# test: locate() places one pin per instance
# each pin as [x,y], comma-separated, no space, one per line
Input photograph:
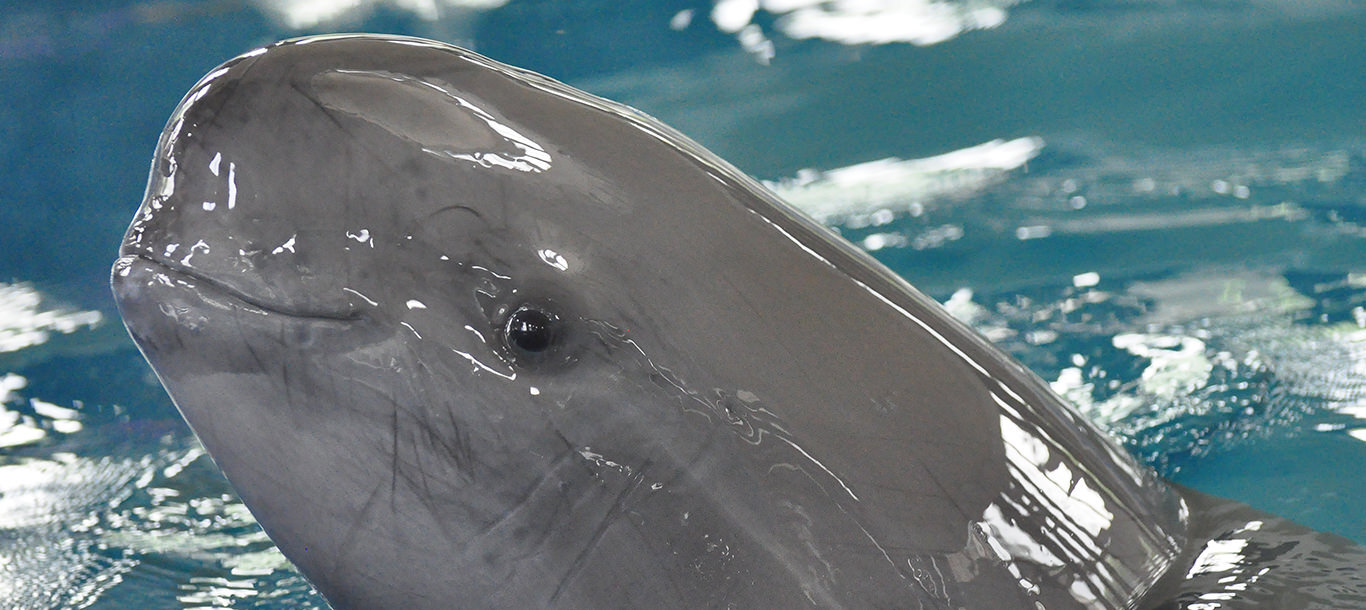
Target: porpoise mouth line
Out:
[235,294]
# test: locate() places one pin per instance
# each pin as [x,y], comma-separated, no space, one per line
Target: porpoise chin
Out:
[462,336]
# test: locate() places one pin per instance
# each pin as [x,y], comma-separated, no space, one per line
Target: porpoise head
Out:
[462,336]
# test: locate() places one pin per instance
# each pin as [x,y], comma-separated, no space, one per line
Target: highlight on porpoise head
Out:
[463,336]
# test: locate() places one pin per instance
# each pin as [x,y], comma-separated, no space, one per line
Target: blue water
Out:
[1159,207]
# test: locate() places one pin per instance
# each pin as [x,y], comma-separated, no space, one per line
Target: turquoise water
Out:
[1158,207]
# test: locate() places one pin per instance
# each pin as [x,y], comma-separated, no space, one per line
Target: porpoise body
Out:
[463,336]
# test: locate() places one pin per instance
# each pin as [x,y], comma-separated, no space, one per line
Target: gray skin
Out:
[731,407]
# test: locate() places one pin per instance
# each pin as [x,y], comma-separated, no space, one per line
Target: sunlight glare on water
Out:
[92,498]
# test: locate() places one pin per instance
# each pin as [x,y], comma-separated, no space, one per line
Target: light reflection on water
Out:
[153,518]
[919,22]
[1040,191]
[93,497]
[1190,369]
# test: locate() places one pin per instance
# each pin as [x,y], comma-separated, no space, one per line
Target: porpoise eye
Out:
[531,330]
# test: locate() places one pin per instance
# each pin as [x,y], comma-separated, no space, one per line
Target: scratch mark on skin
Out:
[821,466]
[615,512]
[455,446]
[356,525]
[287,383]
[422,475]
[547,484]
[393,477]
[285,380]
[242,335]
[260,364]
[326,112]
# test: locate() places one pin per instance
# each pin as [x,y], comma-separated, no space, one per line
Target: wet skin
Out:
[463,336]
